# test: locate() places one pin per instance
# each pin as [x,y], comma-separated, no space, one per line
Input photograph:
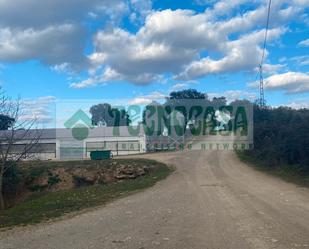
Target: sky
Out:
[141,50]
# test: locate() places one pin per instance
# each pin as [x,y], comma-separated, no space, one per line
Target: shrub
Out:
[81,181]
[53,179]
[37,188]
[281,137]
[11,180]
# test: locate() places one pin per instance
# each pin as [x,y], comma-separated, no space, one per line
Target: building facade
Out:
[61,144]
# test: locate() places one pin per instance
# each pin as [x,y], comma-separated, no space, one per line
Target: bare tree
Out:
[17,142]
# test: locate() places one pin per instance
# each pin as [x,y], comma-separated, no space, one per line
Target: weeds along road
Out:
[211,201]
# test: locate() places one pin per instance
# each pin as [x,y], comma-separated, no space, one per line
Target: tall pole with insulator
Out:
[262,96]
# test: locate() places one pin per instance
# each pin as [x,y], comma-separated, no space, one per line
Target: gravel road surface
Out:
[211,201]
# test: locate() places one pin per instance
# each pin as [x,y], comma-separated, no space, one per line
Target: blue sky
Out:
[141,50]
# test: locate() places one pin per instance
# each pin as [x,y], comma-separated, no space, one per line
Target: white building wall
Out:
[140,139]
[42,155]
[67,141]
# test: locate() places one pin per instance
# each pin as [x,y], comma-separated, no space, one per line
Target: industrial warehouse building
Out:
[60,144]
[78,142]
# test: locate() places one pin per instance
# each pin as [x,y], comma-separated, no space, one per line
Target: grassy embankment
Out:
[43,206]
[289,173]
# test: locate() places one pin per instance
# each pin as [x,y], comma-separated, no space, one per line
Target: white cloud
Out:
[290,82]
[140,101]
[110,74]
[64,67]
[283,59]
[51,45]
[140,9]
[298,104]
[40,110]
[271,68]
[305,62]
[147,99]
[224,7]
[180,43]
[240,55]
[182,85]
[232,95]
[179,86]
[304,43]
[39,14]
[301,3]
[53,31]
[175,41]
[302,60]
[85,83]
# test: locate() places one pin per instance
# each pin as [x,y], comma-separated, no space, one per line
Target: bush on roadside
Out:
[81,181]
[281,139]
[11,181]
[53,179]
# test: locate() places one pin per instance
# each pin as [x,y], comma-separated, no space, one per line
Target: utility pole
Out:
[262,96]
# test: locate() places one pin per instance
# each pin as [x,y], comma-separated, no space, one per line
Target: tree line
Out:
[281,134]
[281,138]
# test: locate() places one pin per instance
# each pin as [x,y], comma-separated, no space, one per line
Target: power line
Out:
[262,96]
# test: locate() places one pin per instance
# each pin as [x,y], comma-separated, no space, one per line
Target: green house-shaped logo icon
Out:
[79,123]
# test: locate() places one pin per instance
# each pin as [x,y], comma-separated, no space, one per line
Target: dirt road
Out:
[211,201]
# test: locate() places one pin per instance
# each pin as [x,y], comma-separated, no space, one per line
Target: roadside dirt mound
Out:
[48,179]
[67,178]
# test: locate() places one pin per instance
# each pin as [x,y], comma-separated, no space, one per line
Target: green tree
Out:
[187,94]
[281,137]
[218,102]
[183,100]
[106,115]
[5,122]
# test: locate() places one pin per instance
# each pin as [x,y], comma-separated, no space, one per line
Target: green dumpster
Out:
[100,155]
